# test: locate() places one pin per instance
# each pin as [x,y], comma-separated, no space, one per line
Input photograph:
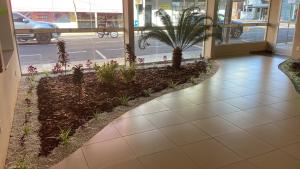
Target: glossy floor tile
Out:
[247,116]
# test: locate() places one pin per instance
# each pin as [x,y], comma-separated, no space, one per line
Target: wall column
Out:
[209,44]
[128,19]
[274,21]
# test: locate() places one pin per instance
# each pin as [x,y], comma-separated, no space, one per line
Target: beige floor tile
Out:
[169,159]
[291,108]
[130,164]
[176,102]
[215,126]
[108,153]
[74,161]
[246,120]
[244,144]
[133,125]
[275,160]
[148,142]
[220,107]
[165,118]
[274,135]
[293,149]
[194,113]
[243,103]
[268,113]
[107,133]
[292,124]
[151,107]
[240,165]
[264,99]
[209,154]
[184,133]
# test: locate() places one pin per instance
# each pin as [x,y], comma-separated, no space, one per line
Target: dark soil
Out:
[64,105]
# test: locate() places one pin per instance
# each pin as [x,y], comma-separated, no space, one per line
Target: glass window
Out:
[144,16]
[242,21]
[83,42]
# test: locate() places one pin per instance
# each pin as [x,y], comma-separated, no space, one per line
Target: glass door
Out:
[289,9]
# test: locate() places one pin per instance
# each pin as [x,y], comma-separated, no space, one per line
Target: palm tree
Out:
[190,30]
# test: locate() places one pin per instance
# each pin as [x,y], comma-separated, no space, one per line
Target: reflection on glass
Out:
[39,49]
[239,13]
[144,16]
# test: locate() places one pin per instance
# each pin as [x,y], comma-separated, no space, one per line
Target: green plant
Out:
[191,29]
[193,80]
[147,92]
[172,84]
[22,163]
[63,56]
[78,75]
[124,100]
[46,73]
[128,74]
[107,72]
[131,58]
[26,130]
[64,136]
[97,115]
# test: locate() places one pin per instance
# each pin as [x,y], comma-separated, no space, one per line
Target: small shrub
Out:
[22,163]
[131,58]
[63,56]
[78,74]
[89,64]
[26,130]
[141,61]
[57,68]
[128,74]
[193,80]
[46,74]
[32,70]
[97,115]
[64,136]
[295,66]
[107,72]
[148,92]
[172,84]
[124,100]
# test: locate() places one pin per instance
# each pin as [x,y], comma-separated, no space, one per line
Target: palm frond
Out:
[155,33]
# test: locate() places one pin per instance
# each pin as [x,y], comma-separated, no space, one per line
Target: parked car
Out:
[23,22]
[235,32]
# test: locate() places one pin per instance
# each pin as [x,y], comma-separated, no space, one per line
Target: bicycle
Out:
[111,34]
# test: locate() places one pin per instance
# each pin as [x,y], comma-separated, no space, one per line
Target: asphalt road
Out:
[84,47]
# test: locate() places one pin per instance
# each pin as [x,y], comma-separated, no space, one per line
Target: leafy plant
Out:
[191,29]
[97,115]
[64,136]
[295,66]
[26,130]
[107,72]
[46,73]
[124,100]
[57,68]
[141,60]
[147,92]
[89,64]
[32,70]
[131,58]
[22,163]
[63,56]
[172,84]
[128,74]
[78,74]
[193,80]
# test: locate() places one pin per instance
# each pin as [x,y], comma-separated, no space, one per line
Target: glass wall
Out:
[242,21]
[286,29]
[144,17]
[75,22]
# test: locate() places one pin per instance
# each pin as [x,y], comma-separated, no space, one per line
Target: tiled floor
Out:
[247,116]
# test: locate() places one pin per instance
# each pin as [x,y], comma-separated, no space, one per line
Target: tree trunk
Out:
[177,58]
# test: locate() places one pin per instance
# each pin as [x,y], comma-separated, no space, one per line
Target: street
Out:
[90,46]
